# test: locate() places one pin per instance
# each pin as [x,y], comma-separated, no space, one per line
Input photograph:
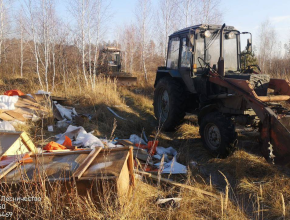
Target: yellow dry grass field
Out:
[247,186]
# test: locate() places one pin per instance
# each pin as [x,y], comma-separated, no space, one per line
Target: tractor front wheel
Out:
[169,103]
[217,133]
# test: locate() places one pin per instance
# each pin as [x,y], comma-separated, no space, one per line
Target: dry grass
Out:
[250,187]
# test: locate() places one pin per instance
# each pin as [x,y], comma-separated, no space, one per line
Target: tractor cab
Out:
[193,50]
[187,46]
[112,59]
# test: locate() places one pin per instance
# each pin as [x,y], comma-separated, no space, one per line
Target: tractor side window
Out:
[185,54]
[199,50]
[173,53]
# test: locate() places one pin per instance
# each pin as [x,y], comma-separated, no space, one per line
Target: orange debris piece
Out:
[67,144]
[54,146]
[14,92]
[6,160]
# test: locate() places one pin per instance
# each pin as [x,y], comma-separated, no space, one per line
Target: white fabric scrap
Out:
[6,126]
[8,102]
[43,92]
[64,112]
[80,135]
[135,139]
[169,151]
[173,167]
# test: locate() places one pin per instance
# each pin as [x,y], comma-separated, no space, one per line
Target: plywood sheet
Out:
[15,143]
[51,167]
[5,117]
[7,140]
[16,115]
[107,164]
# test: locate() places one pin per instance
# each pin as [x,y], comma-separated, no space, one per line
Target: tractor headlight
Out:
[207,34]
[230,35]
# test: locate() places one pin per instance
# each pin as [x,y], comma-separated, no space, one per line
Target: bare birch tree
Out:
[200,12]
[90,16]
[21,28]
[4,28]
[167,22]
[267,39]
[144,15]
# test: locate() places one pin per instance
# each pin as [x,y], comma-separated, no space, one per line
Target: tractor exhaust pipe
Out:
[221,62]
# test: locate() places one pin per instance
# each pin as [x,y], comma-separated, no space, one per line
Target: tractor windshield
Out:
[211,47]
[114,59]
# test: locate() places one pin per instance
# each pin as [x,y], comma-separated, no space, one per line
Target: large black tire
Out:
[218,134]
[170,112]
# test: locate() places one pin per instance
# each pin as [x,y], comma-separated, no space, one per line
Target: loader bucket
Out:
[126,81]
[280,139]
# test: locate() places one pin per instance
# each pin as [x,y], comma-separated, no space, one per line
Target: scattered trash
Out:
[144,135]
[8,102]
[169,202]
[50,128]
[14,93]
[43,92]
[6,126]
[79,134]
[172,167]
[65,113]
[144,152]
[114,113]
[62,124]
[135,139]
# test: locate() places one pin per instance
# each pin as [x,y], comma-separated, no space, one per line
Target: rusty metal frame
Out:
[272,131]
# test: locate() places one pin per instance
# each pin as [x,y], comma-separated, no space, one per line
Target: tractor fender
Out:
[164,73]
[205,110]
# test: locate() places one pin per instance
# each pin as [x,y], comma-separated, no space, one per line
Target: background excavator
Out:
[110,65]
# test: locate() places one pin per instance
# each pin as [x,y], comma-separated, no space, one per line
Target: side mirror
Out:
[249,46]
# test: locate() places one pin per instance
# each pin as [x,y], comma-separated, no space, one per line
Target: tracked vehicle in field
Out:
[204,75]
[111,66]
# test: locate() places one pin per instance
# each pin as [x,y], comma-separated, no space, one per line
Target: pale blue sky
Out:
[245,15]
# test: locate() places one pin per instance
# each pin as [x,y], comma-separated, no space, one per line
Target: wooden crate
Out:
[94,172]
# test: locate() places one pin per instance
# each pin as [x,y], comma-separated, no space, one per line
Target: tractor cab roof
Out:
[111,49]
[200,27]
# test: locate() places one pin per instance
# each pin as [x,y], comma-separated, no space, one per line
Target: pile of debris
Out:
[17,107]
[75,154]
[153,158]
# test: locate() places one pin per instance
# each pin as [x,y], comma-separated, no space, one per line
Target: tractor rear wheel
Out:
[217,133]
[169,103]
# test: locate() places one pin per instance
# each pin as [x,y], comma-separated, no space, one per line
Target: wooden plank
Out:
[98,178]
[62,153]
[28,142]
[179,184]
[8,168]
[15,115]
[5,117]
[11,166]
[87,162]
[131,166]
[85,151]
[125,143]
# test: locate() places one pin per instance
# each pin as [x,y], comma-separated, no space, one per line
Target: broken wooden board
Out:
[180,185]
[87,162]
[15,143]
[5,117]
